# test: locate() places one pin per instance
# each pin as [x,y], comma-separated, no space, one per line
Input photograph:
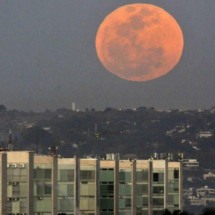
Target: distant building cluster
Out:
[190,163]
[33,184]
[199,190]
[201,196]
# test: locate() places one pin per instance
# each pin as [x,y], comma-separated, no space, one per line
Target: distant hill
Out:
[142,131]
[136,133]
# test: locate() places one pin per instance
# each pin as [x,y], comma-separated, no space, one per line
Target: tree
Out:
[185,213]
[3,108]
[166,212]
[176,212]
[38,138]
[208,211]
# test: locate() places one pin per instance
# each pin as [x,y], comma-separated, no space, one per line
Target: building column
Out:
[76,184]
[133,203]
[97,187]
[54,185]
[30,175]
[150,181]
[165,183]
[3,183]
[181,186]
[116,187]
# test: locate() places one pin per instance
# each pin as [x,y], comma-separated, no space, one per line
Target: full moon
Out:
[139,42]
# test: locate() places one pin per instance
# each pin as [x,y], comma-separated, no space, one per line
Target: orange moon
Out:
[139,42]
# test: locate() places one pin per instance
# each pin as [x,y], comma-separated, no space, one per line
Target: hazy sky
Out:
[48,58]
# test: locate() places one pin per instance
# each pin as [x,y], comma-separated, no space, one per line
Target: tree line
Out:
[206,211]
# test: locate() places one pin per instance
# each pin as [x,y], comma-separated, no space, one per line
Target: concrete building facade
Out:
[33,184]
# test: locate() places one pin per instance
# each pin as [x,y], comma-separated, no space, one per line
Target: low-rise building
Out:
[190,163]
[205,134]
[205,192]
[209,175]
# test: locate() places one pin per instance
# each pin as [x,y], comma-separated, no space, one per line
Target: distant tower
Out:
[96,128]
[10,142]
[73,106]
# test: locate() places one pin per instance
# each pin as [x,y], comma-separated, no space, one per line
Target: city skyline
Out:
[48,58]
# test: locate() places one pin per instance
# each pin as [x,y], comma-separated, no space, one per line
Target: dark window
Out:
[158,177]
[47,189]
[176,174]
[110,188]
[127,202]
[155,177]
[158,202]
[158,190]
[145,201]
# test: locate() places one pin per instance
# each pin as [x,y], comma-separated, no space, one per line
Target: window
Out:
[110,188]
[170,199]
[48,173]
[125,189]
[42,174]
[158,190]
[124,176]
[106,175]
[106,203]
[87,175]
[141,189]
[47,189]
[142,175]
[70,189]
[39,189]
[155,177]
[158,202]
[88,189]
[145,201]
[44,189]
[106,190]
[127,202]
[176,174]
[158,177]
[66,205]
[66,175]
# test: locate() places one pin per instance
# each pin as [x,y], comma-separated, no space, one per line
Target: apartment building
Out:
[33,184]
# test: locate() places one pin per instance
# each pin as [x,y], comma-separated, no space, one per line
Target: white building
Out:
[33,184]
